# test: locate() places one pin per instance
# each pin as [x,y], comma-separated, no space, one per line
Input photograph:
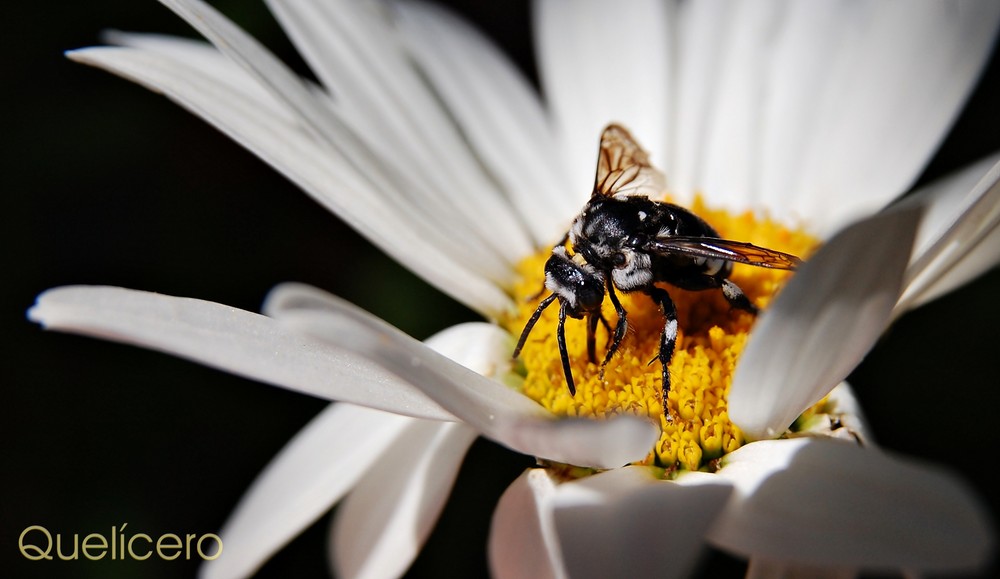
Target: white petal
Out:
[499,111]
[960,235]
[603,62]
[381,526]
[200,57]
[314,109]
[240,342]
[355,51]
[495,410]
[831,503]
[804,49]
[321,119]
[977,260]
[822,323]
[314,470]
[734,88]
[627,523]
[700,38]
[819,111]
[278,79]
[523,540]
[889,96]
[259,122]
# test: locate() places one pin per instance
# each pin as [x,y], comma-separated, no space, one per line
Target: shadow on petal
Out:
[627,523]
[832,503]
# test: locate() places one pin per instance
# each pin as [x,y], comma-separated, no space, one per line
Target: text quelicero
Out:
[37,543]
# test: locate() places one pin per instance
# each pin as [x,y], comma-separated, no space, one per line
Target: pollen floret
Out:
[695,427]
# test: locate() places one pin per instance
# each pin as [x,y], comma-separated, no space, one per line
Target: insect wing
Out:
[623,168]
[713,248]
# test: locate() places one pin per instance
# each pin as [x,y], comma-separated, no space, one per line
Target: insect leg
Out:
[669,336]
[736,298]
[591,347]
[563,353]
[591,342]
[531,324]
[620,327]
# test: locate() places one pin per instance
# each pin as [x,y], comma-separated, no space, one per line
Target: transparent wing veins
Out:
[713,248]
[623,167]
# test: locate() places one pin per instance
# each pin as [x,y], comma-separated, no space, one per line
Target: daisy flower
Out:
[789,125]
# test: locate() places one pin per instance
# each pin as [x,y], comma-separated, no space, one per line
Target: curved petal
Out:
[380,527]
[318,118]
[819,111]
[358,146]
[831,503]
[495,410]
[355,51]
[523,540]
[198,57]
[627,523]
[822,323]
[603,62]
[233,340]
[500,113]
[206,83]
[960,235]
[864,148]
[314,470]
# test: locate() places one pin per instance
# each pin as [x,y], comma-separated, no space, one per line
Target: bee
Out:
[624,240]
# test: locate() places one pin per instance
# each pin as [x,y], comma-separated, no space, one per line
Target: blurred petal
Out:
[381,526]
[761,568]
[523,540]
[870,149]
[701,38]
[314,470]
[795,107]
[822,323]
[887,98]
[805,48]
[495,410]
[499,111]
[627,523]
[233,340]
[959,238]
[724,59]
[603,62]
[831,503]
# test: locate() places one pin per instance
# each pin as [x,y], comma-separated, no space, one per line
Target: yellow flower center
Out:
[696,429]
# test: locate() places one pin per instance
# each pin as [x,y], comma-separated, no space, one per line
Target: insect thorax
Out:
[610,234]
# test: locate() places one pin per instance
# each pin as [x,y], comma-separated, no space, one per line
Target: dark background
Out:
[106,183]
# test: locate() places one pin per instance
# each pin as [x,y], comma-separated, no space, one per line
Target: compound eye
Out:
[618,260]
